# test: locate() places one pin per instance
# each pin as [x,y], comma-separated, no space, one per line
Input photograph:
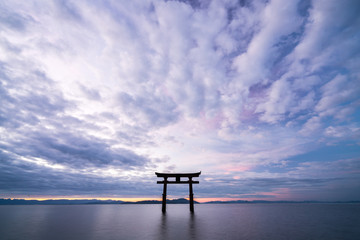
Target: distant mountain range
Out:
[168,201]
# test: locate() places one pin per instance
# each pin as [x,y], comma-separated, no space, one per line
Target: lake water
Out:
[210,221]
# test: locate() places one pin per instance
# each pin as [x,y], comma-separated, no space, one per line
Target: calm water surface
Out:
[210,221]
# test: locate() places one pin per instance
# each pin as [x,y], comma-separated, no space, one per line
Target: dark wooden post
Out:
[164,195]
[191,195]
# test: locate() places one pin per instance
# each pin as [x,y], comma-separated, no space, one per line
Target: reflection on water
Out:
[181,228]
[192,226]
[238,221]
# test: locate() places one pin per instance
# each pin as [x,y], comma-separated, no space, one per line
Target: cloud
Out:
[254,65]
[26,179]
[315,54]
[99,89]
[160,112]
[335,93]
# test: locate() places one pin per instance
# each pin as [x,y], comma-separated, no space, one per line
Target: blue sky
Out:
[262,96]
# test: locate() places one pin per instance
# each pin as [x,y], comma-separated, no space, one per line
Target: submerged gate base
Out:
[177,180]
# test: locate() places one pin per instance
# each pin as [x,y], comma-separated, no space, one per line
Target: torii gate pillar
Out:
[178,177]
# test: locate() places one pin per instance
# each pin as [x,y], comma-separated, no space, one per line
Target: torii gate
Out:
[178,177]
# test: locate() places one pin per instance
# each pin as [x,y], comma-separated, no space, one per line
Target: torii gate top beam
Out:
[178,174]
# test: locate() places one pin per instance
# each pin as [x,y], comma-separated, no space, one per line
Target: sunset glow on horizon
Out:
[134,199]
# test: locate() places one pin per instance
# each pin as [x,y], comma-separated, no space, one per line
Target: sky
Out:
[262,97]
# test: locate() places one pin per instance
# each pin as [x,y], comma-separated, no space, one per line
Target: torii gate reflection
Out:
[178,177]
